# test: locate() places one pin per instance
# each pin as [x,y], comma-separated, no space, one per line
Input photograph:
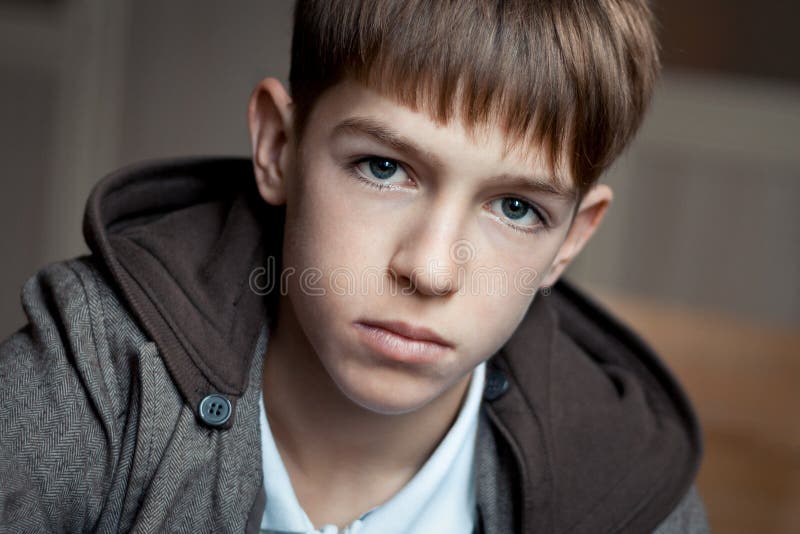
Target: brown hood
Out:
[603,437]
[181,238]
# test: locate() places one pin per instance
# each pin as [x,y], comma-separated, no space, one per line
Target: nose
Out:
[431,259]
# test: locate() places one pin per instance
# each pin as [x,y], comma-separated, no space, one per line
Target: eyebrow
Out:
[385,135]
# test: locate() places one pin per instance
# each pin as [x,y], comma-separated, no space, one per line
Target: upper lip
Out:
[419,333]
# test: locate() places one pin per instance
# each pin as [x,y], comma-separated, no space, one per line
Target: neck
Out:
[326,439]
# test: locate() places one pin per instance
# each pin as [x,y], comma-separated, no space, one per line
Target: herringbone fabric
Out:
[93,433]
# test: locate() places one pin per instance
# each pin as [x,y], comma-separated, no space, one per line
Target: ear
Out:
[590,212]
[270,118]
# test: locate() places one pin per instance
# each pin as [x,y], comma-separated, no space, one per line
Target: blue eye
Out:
[382,168]
[380,172]
[514,208]
[520,214]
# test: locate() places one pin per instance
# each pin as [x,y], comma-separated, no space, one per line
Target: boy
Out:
[344,334]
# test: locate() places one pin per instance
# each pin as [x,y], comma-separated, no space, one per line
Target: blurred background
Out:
[700,253]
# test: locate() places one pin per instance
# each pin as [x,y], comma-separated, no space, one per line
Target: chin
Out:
[386,392]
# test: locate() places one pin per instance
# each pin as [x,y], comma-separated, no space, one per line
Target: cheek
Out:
[329,245]
[335,221]
[491,318]
[497,293]
[322,231]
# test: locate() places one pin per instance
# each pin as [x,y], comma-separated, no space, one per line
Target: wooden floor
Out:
[744,381]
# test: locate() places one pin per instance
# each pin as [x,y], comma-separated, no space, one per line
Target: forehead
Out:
[351,109]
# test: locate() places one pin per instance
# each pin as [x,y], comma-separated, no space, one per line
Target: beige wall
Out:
[704,213]
[90,85]
[706,207]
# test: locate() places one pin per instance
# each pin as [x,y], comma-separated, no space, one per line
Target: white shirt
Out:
[439,498]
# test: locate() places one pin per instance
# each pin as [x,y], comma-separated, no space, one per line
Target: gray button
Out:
[215,410]
[496,384]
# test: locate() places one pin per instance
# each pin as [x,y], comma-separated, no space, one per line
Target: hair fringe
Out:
[571,80]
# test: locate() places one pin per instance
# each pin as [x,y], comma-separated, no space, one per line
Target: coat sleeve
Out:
[689,517]
[57,423]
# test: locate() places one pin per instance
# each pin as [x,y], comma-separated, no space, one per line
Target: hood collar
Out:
[603,436]
[182,239]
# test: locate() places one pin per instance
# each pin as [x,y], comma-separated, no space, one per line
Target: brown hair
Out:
[570,77]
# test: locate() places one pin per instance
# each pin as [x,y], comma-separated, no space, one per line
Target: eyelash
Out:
[545,225]
[352,168]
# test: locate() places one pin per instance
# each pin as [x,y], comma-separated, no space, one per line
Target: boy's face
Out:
[394,218]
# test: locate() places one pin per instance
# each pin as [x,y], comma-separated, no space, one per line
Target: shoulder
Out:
[66,378]
[76,321]
[607,420]
[80,335]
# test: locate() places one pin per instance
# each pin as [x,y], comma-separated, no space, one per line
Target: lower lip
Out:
[398,348]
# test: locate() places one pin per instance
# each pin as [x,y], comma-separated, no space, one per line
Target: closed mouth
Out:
[411,332]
